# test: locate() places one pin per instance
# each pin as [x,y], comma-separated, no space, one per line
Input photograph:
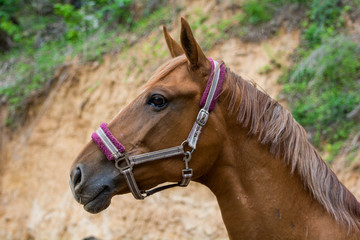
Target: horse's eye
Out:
[157,101]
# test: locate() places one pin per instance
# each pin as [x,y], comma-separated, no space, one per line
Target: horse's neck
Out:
[260,199]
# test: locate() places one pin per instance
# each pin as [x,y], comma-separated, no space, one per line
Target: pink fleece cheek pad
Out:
[208,86]
[111,137]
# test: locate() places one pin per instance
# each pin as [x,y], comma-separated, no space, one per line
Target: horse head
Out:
[160,117]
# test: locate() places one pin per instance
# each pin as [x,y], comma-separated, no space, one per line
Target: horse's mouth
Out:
[99,201]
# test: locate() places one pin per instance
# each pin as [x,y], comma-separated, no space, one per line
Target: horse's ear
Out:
[192,49]
[174,48]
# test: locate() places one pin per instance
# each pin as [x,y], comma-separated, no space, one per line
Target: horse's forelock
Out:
[165,69]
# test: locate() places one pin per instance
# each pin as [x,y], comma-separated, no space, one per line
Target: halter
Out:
[114,150]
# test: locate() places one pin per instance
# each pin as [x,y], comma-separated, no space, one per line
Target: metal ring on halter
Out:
[187,142]
[123,158]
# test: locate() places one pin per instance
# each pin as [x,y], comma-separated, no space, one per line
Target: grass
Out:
[256,12]
[323,86]
[159,17]
[32,68]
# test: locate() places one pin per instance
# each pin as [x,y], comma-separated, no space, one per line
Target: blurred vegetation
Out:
[261,11]
[38,36]
[323,86]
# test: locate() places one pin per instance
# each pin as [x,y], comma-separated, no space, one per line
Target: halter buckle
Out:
[187,173]
[202,117]
[123,159]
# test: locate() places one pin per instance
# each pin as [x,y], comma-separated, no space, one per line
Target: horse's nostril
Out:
[76,177]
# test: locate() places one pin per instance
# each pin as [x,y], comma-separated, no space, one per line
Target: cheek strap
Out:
[208,101]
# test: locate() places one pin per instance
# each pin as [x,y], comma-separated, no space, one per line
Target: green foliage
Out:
[333,149]
[7,10]
[325,18]
[256,12]
[324,87]
[87,18]
[30,73]
[8,7]
[73,19]
[115,10]
[10,28]
[158,17]
[198,18]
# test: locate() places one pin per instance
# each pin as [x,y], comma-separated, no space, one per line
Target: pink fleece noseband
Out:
[105,145]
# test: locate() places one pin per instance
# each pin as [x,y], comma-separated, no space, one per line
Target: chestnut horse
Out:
[269,181]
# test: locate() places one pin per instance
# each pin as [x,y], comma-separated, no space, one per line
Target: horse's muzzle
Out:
[94,197]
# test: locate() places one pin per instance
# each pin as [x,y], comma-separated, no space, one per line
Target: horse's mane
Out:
[276,127]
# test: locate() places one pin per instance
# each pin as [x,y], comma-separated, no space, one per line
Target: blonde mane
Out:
[276,127]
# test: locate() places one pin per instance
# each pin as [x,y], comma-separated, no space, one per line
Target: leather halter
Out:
[114,150]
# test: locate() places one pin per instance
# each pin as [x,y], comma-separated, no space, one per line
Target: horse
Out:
[269,181]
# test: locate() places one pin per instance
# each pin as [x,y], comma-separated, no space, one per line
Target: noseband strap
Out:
[110,146]
[114,150]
